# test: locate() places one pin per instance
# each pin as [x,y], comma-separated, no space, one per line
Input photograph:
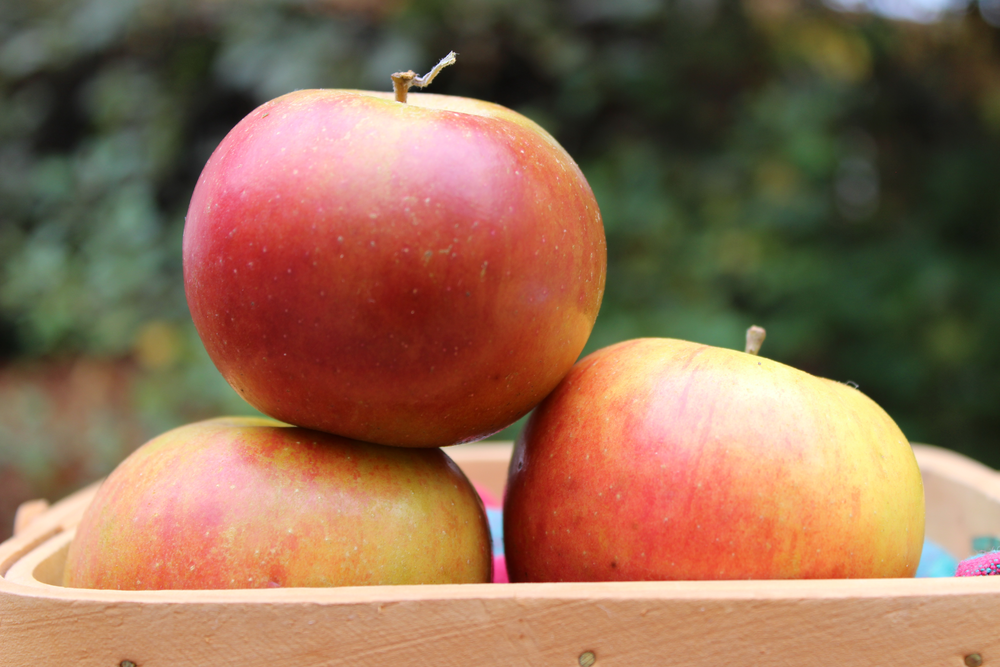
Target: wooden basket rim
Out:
[54,529]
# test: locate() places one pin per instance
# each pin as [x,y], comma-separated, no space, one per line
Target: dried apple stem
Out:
[401,81]
[755,338]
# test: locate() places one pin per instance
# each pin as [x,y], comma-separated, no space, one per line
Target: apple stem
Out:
[401,81]
[755,338]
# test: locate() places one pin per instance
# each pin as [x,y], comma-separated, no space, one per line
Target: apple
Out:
[416,273]
[251,503]
[662,459]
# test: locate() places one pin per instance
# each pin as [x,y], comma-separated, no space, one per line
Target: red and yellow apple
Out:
[413,274]
[251,503]
[660,459]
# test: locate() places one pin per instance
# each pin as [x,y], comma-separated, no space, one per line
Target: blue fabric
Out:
[495,516]
[936,562]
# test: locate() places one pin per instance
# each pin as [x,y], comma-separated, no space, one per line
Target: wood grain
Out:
[484,463]
[963,500]
[912,622]
[27,512]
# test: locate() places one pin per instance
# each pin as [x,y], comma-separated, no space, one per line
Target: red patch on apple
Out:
[251,503]
[416,274]
[664,459]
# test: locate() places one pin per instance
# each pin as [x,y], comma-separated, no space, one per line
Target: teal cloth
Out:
[495,516]
[935,561]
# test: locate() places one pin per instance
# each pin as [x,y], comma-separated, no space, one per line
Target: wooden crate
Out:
[906,622]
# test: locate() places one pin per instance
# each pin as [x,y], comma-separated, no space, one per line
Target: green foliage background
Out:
[832,177]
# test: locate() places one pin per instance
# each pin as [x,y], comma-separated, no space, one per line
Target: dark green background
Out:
[832,177]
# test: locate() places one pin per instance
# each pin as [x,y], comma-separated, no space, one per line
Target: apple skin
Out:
[418,274]
[250,503]
[661,459]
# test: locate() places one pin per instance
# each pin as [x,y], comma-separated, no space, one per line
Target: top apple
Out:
[415,274]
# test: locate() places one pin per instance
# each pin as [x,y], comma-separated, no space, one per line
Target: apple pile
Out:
[389,274]
[385,275]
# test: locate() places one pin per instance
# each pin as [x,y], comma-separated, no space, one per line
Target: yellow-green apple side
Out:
[250,503]
[413,274]
[663,459]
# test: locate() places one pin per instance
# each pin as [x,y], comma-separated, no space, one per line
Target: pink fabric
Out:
[500,570]
[978,566]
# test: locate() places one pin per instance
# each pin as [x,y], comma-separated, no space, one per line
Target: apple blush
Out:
[401,268]
[661,459]
[251,503]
